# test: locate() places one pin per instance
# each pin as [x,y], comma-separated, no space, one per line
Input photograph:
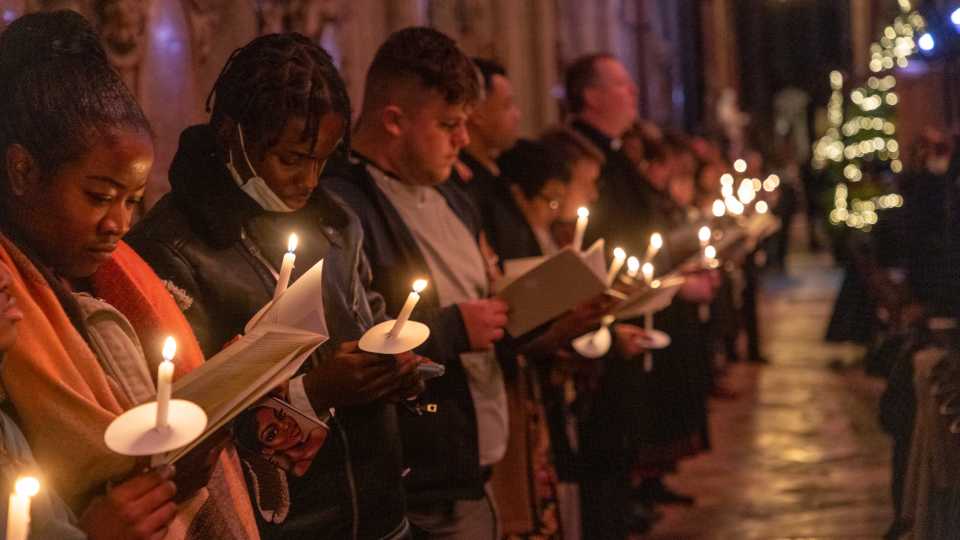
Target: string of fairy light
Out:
[863,130]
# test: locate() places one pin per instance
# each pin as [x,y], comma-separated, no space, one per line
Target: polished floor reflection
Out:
[798,453]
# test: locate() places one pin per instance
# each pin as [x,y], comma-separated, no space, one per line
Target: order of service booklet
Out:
[278,339]
[539,289]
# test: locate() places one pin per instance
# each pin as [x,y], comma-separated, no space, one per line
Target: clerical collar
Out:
[613,144]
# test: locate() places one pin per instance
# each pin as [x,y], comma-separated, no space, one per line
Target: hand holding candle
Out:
[164,382]
[656,243]
[414,297]
[619,256]
[18,511]
[582,216]
[286,267]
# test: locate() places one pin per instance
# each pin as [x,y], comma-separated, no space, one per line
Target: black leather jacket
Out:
[221,250]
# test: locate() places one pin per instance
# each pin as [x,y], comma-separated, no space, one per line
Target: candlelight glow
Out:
[27,486]
[292,243]
[740,166]
[419,285]
[719,209]
[169,348]
[619,253]
[583,212]
[656,241]
[647,272]
[710,252]
[762,207]
[726,179]
[704,234]
[633,266]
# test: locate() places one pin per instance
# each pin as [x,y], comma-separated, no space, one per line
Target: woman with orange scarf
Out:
[77,153]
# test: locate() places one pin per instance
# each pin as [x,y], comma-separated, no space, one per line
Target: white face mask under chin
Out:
[255,186]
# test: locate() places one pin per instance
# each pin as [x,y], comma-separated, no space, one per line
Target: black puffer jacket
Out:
[216,245]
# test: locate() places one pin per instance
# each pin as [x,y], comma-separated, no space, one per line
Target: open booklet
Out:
[539,289]
[645,300]
[278,340]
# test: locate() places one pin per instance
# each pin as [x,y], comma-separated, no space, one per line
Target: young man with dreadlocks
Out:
[240,185]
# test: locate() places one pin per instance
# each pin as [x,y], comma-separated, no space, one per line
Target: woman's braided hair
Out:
[275,78]
[60,93]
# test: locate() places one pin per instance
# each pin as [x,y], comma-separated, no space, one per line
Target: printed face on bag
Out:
[75,216]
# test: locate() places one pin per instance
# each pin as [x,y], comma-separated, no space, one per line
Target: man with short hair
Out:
[420,90]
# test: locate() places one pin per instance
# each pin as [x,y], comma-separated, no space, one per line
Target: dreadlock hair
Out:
[275,78]
[530,165]
[426,58]
[60,93]
[580,75]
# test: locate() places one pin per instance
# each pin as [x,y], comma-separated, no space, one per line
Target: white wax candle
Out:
[165,382]
[647,273]
[704,236]
[656,242]
[18,511]
[414,297]
[583,215]
[286,267]
[648,356]
[633,266]
[619,256]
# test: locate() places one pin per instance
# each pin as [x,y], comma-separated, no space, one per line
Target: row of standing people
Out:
[377,203]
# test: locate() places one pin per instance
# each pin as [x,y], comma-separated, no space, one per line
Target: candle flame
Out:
[710,252]
[419,285]
[740,166]
[583,212]
[719,209]
[656,240]
[169,348]
[704,234]
[633,266]
[292,242]
[647,271]
[27,486]
[607,320]
[619,253]
[762,207]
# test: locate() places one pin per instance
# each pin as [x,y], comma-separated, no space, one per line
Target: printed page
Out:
[300,306]
[244,372]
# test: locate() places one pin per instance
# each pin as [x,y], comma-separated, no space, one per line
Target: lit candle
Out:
[704,235]
[619,256]
[164,382]
[710,256]
[583,215]
[418,287]
[633,266]
[656,242]
[761,207]
[18,512]
[647,273]
[286,268]
[719,209]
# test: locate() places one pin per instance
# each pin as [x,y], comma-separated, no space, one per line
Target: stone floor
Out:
[798,453]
